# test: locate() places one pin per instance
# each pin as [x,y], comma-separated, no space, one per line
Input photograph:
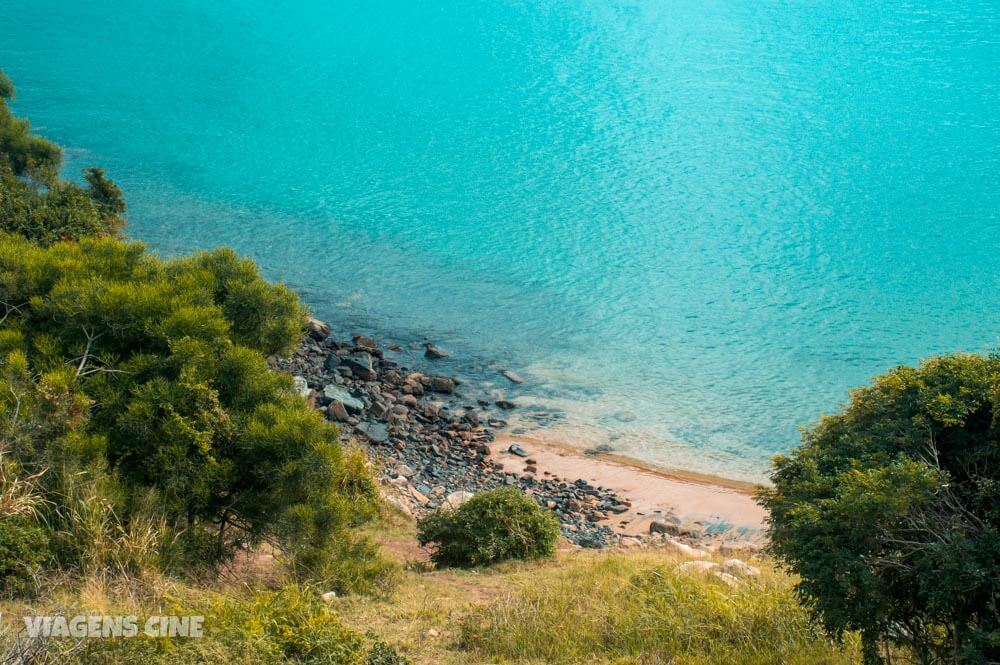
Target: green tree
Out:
[34,202]
[6,86]
[163,363]
[27,154]
[890,512]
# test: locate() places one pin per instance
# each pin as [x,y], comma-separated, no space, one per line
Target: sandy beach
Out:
[699,500]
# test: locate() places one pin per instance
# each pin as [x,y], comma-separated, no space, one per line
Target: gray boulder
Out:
[434,352]
[442,384]
[511,376]
[659,526]
[377,432]
[456,499]
[336,411]
[317,329]
[516,449]
[364,342]
[301,386]
[360,365]
[350,402]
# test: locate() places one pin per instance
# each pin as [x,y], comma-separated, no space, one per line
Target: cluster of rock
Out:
[432,439]
[731,571]
[691,539]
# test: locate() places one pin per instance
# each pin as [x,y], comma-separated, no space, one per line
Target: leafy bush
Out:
[59,211]
[6,86]
[490,527]
[23,546]
[384,654]
[292,624]
[25,153]
[890,512]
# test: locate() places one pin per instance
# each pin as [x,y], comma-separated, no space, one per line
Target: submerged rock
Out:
[434,352]
[364,342]
[511,376]
[625,416]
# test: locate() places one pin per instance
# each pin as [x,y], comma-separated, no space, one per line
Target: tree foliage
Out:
[34,202]
[890,512]
[154,371]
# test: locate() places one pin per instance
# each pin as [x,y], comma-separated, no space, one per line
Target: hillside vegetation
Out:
[890,512]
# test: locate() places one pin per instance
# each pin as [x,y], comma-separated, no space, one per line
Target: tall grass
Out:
[640,609]
[18,493]
[242,626]
[85,520]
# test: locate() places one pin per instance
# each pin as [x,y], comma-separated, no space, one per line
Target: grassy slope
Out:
[581,607]
[245,623]
[593,607]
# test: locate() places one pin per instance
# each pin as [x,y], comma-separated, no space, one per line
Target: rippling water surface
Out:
[692,225]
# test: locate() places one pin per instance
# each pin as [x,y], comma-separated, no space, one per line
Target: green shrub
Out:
[6,86]
[293,624]
[58,211]
[26,154]
[384,654]
[23,547]
[890,512]
[490,527]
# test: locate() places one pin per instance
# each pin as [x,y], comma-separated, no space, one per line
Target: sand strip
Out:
[715,505]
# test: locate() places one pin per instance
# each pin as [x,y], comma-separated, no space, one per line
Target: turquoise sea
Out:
[692,225]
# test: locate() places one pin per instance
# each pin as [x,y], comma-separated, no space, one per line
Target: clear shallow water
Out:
[693,225]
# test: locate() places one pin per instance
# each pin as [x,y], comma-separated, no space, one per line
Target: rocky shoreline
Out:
[432,435]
